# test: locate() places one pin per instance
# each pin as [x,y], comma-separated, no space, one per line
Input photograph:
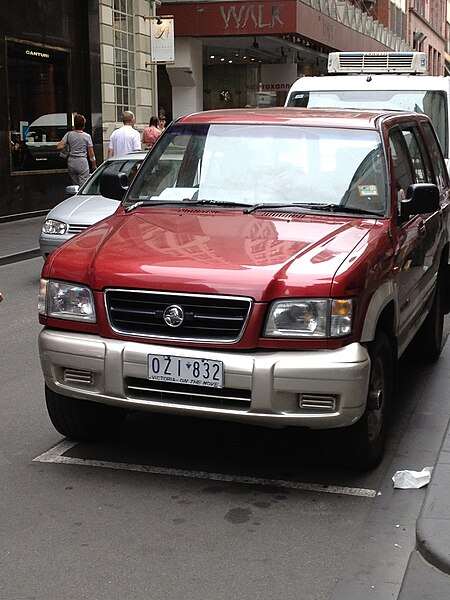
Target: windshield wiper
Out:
[312,206]
[207,202]
[336,208]
[148,203]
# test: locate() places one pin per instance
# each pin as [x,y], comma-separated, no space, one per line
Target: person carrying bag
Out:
[64,154]
[77,144]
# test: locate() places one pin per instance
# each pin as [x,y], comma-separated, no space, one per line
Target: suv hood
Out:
[261,255]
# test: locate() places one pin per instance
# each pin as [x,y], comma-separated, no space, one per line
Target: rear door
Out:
[417,236]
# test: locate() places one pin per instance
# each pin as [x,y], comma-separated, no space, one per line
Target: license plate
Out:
[182,369]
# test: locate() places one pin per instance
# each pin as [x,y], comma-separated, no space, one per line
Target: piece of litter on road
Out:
[412,480]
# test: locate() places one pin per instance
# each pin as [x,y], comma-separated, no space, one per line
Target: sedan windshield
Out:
[231,165]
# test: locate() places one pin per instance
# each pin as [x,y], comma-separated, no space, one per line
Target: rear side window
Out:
[438,163]
[420,164]
[401,163]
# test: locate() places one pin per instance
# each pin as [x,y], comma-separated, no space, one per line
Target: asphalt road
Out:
[195,510]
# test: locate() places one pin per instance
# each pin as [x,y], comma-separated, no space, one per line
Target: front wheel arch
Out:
[361,446]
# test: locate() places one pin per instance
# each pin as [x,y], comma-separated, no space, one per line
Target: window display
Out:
[38,105]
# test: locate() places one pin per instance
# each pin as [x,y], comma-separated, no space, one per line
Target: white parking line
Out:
[55,455]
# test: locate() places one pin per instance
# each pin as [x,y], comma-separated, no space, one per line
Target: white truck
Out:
[391,80]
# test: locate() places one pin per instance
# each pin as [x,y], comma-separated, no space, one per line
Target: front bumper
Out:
[48,243]
[318,389]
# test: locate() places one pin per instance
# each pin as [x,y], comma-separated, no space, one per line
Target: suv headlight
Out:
[310,318]
[66,301]
[54,227]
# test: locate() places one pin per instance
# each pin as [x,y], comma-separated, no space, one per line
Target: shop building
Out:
[237,54]
[62,57]
[59,58]
[49,69]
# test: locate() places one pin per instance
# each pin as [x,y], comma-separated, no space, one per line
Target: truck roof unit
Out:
[377,62]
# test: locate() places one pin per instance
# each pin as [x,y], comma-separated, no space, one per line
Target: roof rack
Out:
[377,62]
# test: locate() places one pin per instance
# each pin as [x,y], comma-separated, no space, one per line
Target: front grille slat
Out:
[188,395]
[75,228]
[207,318]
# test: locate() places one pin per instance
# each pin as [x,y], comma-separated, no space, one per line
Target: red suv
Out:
[266,266]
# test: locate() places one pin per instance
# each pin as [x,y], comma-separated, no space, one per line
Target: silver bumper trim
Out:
[274,380]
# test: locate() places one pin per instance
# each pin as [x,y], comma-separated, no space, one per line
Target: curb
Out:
[427,574]
[19,256]
[433,525]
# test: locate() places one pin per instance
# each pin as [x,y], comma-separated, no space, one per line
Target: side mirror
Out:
[420,198]
[71,190]
[114,185]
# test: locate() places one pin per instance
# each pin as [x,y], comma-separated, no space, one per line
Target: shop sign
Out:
[234,18]
[261,16]
[162,44]
[277,78]
[37,54]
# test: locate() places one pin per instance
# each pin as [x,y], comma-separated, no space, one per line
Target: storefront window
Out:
[38,105]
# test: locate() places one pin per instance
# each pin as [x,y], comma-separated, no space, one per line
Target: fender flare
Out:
[381,298]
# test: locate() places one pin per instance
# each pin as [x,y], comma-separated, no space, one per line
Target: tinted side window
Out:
[402,166]
[436,157]
[421,168]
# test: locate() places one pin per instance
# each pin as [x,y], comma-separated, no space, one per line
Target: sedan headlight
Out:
[54,227]
[310,318]
[66,301]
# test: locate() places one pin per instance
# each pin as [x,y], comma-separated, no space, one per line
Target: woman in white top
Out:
[80,147]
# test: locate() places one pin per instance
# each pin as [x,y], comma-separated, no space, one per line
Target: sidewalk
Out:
[19,240]
[428,571]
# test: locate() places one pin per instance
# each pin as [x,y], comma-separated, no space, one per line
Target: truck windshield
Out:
[260,163]
[431,103]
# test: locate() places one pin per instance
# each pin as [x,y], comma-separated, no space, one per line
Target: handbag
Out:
[64,154]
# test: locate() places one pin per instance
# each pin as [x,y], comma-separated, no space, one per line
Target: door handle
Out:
[422,228]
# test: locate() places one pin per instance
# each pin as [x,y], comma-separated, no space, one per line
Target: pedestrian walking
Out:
[79,147]
[126,139]
[151,133]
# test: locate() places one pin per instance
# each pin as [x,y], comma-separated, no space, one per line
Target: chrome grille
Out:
[187,395]
[319,402]
[207,318]
[75,228]
[78,376]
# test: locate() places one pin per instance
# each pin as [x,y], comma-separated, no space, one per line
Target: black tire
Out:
[427,344]
[362,444]
[82,420]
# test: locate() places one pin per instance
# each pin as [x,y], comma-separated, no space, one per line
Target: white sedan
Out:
[86,205]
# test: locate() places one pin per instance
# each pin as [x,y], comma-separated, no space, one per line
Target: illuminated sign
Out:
[38,54]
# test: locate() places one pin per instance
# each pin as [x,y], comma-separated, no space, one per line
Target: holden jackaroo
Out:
[266,267]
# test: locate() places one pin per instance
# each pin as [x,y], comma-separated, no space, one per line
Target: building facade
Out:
[59,58]
[237,54]
[62,57]
[48,69]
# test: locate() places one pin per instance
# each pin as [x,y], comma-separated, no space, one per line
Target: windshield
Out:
[129,166]
[433,104]
[264,164]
